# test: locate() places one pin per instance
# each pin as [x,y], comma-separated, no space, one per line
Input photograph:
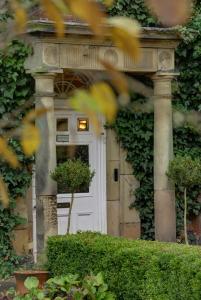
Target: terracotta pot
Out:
[21,276]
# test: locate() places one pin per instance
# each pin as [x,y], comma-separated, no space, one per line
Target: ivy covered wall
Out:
[15,90]
[135,130]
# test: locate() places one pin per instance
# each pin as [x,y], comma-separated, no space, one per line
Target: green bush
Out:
[134,270]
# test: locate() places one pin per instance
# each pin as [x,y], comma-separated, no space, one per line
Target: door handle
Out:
[116,175]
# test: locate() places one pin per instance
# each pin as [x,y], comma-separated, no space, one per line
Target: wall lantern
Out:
[82,124]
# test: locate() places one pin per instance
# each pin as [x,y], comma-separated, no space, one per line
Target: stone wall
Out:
[122,221]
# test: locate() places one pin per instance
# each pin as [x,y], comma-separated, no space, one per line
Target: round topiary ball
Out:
[73,174]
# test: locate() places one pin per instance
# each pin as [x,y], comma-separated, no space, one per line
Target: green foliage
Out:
[185,171]
[135,130]
[73,174]
[135,9]
[68,287]
[137,270]
[15,90]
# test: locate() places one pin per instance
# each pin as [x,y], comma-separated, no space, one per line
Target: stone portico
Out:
[80,51]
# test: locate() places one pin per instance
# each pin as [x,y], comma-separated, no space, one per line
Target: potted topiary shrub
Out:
[73,174]
[186,173]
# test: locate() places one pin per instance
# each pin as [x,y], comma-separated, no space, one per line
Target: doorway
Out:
[75,139]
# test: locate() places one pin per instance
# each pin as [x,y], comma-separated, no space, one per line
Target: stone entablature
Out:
[79,50]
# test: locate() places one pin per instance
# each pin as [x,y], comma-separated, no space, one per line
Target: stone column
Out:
[164,196]
[46,205]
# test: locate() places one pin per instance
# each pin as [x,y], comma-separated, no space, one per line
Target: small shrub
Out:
[73,174]
[133,270]
[186,173]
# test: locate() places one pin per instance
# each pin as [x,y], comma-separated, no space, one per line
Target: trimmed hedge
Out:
[133,269]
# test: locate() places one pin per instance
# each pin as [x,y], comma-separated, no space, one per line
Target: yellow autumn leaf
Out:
[104,96]
[4,199]
[108,3]
[117,78]
[35,113]
[61,5]
[90,12]
[54,14]
[7,153]
[30,139]
[125,35]
[82,101]
[20,15]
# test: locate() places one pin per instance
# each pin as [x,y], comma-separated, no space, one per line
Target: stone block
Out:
[21,240]
[112,185]
[130,230]
[113,218]
[112,146]
[128,184]
[125,167]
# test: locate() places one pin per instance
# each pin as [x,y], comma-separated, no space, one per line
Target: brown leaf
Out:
[105,98]
[125,35]
[35,113]
[54,14]
[61,5]
[19,14]
[7,153]
[90,12]
[171,12]
[3,193]
[30,139]
[108,3]
[117,78]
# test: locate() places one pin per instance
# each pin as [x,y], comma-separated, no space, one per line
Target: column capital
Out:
[164,75]
[43,71]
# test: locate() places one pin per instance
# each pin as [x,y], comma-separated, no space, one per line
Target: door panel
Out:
[75,139]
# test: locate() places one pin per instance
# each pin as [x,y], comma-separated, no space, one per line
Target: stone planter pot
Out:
[21,276]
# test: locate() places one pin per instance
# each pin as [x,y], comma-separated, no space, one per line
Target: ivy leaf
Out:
[30,139]
[125,35]
[8,154]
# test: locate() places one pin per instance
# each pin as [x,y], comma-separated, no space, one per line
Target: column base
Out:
[46,220]
[165,215]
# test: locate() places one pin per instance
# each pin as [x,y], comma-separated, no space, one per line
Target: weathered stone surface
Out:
[50,216]
[164,198]
[46,155]
[125,167]
[166,60]
[165,219]
[46,220]
[112,146]
[21,240]
[128,184]
[130,230]
[113,224]
[113,188]
[112,157]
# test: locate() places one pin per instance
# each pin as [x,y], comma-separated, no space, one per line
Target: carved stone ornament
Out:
[165,60]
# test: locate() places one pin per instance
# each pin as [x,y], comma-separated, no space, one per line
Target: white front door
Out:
[75,138]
